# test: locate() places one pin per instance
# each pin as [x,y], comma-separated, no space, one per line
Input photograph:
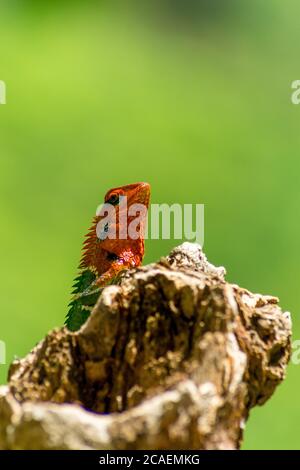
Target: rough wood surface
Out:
[172,358]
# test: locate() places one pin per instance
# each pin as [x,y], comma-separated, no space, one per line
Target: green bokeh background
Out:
[193,97]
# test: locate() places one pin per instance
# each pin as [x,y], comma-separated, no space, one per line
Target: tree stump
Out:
[173,357]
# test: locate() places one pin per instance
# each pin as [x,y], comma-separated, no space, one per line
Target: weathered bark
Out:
[174,357]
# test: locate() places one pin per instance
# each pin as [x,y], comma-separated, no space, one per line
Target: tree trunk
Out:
[172,358]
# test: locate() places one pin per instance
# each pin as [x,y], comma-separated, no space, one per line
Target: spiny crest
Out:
[90,246]
[80,306]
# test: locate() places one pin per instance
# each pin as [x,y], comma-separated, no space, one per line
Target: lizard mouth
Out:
[143,193]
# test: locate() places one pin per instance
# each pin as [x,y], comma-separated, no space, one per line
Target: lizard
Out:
[107,251]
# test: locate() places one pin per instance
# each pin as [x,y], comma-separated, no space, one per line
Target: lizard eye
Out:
[112,256]
[114,199]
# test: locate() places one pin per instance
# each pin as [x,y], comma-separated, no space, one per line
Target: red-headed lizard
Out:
[115,242]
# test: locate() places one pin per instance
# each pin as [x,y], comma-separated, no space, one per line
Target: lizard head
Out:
[123,228]
[136,193]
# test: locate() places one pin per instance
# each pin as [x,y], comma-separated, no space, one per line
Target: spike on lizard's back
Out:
[106,252]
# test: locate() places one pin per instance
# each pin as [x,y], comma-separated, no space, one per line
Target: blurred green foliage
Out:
[100,95]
